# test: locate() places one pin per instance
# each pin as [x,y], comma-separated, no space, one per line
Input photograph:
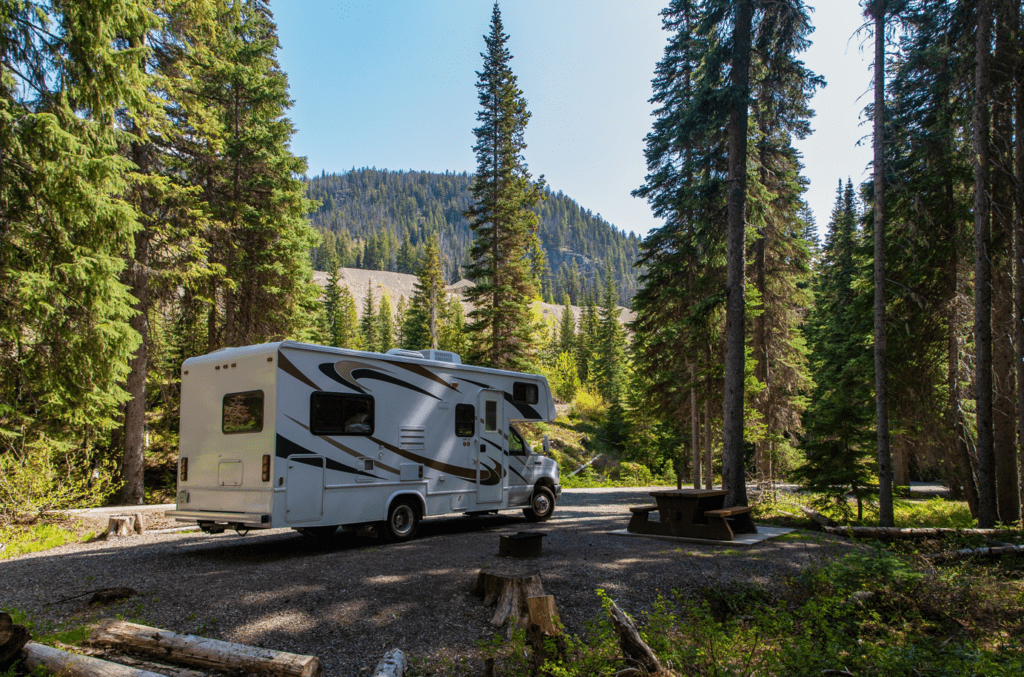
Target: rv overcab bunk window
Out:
[242,413]
[465,420]
[340,414]
[525,393]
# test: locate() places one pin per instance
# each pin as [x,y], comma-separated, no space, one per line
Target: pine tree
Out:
[611,346]
[839,420]
[453,327]
[346,322]
[65,337]
[368,323]
[385,324]
[332,302]
[423,327]
[501,265]
[251,187]
[586,341]
[567,329]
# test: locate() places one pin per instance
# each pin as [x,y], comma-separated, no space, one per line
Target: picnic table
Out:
[692,513]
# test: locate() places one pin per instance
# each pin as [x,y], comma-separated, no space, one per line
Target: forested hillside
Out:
[380,220]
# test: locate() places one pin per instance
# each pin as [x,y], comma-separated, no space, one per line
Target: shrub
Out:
[589,404]
[635,475]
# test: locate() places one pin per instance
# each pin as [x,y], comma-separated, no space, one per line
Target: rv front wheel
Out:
[542,505]
[403,520]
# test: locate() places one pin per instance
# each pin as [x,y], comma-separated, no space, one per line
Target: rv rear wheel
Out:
[317,532]
[542,505]
[403,520]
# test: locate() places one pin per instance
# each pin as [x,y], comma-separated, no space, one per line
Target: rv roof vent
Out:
[402,352]
[441,356]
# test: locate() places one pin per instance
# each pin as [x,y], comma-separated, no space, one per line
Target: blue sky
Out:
[390,84]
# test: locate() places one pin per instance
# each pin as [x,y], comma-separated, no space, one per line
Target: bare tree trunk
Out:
[885,514]
[733,476]
[760,345]
[961,455]
[709,475]
[1018,230]
[1004,409]
[983,272]
[694,427]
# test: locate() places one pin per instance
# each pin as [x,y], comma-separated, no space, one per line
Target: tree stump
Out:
[13,639]
[120,526]
[544,632]
[508,594]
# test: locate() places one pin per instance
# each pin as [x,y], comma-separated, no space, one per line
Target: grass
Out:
[25,539]
[50,632]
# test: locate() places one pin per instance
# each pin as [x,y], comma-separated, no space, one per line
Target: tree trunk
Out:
[709,474]
[201,652]
[1018,230]
[60,662]
[885,513]
[13,639]
[733,476]
[632,644]
[987,514]
[761,362]
[694,427]
[1004,406]
[393,664]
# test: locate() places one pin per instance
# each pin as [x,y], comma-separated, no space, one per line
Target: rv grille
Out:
[413,438]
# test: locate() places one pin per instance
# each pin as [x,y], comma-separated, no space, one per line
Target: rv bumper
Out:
[226,518]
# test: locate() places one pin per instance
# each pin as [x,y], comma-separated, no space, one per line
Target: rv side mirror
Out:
[547,446]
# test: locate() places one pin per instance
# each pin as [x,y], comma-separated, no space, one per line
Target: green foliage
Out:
[51,474]
[424,323]
[565,378]
[365,214]
[22,540]
[635,475]
[503,258]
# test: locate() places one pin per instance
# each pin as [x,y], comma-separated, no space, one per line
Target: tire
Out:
[318,533]
[542,505]
[403,520]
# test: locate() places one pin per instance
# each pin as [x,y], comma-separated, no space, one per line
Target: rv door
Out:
[490,456]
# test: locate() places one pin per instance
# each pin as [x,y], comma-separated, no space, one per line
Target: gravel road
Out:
[350,598]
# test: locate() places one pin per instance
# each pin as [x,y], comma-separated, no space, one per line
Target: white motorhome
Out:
[312,438]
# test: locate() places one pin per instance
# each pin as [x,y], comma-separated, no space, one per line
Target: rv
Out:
[312,438]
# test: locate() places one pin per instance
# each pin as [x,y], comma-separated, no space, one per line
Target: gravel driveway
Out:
[350,598]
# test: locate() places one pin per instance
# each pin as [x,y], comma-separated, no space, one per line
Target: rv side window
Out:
[242,413]
[465,420]
[490,416]
[340,414]
[525,393]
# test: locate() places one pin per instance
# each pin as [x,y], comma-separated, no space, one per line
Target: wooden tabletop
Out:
[690,493]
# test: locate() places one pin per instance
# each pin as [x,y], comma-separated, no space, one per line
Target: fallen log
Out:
[954,555]
[137,663]
[818,517]
[632,644]
[508,594]
[915,532]
[393,664]
[201,652]
[74,665]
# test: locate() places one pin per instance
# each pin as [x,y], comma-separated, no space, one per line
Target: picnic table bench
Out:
[692,513]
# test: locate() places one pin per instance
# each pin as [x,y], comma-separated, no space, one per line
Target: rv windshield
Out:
[516,445]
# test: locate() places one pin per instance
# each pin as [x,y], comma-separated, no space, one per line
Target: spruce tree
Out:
[332,302]
[385,324]
[346,322]
[252,188]
[424,320]
[501,328]
[368,323]
[611,345]
[567,328]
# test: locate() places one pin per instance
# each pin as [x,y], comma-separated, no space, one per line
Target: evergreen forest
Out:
[153,211]
[381,220]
